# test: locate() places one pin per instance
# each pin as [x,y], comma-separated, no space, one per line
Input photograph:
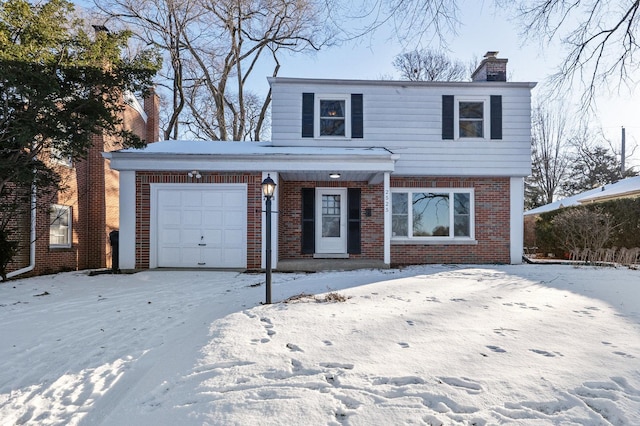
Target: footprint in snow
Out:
[411,322]
[497,349]
[403,345]
[294,348]
[541,352]
[624,354]
[462,382]
[336,365]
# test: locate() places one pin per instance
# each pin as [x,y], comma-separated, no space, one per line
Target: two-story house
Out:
[69,230]
[395,172]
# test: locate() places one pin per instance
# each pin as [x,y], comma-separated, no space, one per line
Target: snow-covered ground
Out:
[529,344]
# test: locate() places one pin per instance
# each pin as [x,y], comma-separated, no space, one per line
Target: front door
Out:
[331,220]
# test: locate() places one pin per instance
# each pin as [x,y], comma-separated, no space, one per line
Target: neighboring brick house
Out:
[71,230]
[397,172]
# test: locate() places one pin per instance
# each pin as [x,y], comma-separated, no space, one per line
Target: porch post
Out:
[387,218]
[275,201]
[127,219]
[517,220]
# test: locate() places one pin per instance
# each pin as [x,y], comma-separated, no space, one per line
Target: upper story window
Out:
[423,214]
[332,116]
[471,117]
[60,226]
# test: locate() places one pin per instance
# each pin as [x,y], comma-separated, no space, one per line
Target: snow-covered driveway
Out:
[530,344]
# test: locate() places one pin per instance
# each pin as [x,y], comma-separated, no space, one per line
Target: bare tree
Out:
[412,20]
[550,141]
[600,36]
[213,49]
[429,65]
[160,23]
[593,164]
[581,228]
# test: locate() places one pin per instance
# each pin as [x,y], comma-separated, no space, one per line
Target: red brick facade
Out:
[492,216]
[290,218]
[254,209]
[93,195]
[492,219]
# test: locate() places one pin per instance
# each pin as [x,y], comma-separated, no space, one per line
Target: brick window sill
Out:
[435,242]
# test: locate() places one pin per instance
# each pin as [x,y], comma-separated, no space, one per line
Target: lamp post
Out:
[268,188]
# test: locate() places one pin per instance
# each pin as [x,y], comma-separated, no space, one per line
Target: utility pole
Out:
[622,154]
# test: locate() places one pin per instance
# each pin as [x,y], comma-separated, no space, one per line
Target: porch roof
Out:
[293,163]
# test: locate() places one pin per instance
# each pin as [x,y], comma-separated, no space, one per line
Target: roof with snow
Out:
[626,187]
[191,147]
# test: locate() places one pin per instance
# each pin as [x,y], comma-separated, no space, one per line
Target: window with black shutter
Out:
[353,221]
[471,117]
[308,220]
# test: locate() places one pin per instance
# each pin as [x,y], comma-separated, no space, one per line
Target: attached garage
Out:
[199,204]
[198,225]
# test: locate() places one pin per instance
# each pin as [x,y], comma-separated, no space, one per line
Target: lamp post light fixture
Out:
[268,188]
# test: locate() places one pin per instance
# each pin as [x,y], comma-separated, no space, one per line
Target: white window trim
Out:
[347,114]
[69,228]
[439,239]
[486,119]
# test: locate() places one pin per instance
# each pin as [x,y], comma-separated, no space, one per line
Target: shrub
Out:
[624,216]
[582,228]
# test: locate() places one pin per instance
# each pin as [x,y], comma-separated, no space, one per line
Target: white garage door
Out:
[202,226]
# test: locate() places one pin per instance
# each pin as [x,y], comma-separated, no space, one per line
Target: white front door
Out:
[331,220]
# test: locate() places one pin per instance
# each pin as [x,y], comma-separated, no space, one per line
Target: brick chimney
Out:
[152,109]
[491,68]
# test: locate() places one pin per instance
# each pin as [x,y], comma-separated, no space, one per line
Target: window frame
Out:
[486,117]
[69,231]
[318,98]
[452,237]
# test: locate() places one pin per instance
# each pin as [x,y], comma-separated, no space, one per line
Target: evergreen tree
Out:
[59,85]
[593,167]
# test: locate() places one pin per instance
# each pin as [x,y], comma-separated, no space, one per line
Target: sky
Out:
[431,344]
[482,28]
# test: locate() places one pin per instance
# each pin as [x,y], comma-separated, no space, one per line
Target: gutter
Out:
[32,237]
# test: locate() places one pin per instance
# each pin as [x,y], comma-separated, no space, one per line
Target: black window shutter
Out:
[496,117]
[353,220]
[357,115]
[447,116]
[307,115]
[308,220]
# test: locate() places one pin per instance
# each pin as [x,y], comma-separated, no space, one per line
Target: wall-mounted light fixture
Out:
[334,175]
[194,173]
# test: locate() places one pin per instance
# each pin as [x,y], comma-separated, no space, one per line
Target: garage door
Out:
[202,227]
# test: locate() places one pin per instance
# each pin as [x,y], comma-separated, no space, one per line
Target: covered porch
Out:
[318,265]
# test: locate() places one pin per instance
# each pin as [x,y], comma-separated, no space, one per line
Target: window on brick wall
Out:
[60,226]
[427,214]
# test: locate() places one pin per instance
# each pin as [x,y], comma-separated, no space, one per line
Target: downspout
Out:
[32,244]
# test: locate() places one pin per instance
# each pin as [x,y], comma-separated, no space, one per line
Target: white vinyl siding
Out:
[406,118]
